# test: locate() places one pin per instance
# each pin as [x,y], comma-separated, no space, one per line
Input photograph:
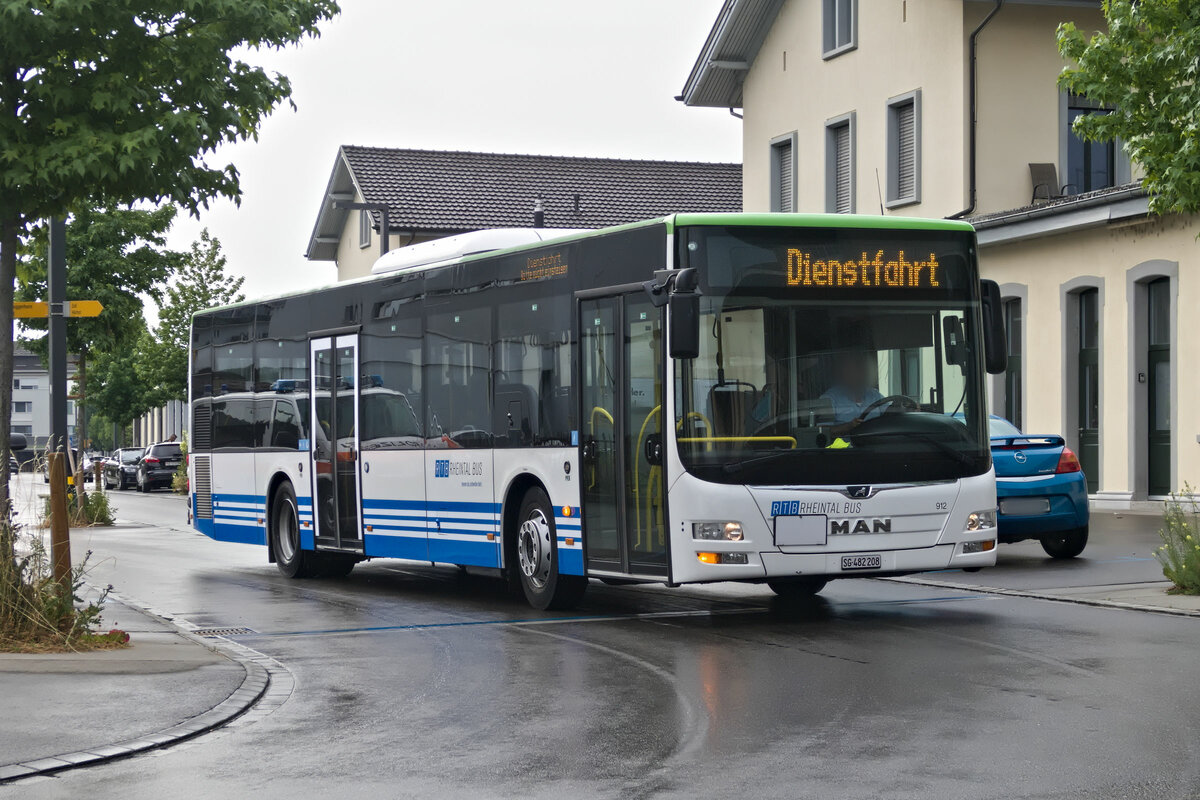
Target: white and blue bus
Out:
[704,397]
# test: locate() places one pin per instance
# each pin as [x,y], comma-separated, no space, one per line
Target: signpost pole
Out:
[60,541]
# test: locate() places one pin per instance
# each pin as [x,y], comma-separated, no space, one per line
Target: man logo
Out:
[441,468]
[858,492]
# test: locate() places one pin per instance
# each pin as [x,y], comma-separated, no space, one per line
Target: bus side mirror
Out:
[16,441]
[684,316]
[995,340]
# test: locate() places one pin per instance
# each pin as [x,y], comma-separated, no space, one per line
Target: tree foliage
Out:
[114,255]
[1145,67]
[200,283]
[119,390]
[121,101]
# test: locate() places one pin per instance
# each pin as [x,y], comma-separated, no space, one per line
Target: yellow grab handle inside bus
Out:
[779,439]
[592,429]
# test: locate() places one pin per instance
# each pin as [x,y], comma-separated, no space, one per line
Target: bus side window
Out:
[285,428]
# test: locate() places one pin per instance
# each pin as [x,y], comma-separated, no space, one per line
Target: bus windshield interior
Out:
[842,356]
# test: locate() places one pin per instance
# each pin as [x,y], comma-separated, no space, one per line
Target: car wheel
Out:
[797,588]
[537,557]
[291,560]
[1067,544]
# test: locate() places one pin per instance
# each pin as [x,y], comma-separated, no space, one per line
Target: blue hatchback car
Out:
[1040,489]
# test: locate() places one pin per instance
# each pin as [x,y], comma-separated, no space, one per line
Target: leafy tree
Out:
[201,283]
[115,255]
[120,392]
[120,101]
[1145,67]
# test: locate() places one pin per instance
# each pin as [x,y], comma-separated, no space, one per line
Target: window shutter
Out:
[906,162]
[841,136]
[784,179]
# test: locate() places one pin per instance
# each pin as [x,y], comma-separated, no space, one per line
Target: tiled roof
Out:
[457,191]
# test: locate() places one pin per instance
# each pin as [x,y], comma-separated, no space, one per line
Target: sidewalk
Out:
[73,703]
[1117,570]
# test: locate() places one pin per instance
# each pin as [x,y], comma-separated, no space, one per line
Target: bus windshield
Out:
[833,356]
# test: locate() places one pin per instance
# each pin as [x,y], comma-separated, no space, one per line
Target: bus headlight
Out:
[981,520]
[727,531]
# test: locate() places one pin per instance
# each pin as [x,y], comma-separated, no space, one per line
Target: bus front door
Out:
[337,499]
[621,418]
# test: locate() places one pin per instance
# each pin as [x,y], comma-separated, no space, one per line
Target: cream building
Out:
[865,106]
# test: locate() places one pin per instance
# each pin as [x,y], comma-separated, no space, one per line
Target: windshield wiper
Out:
[924,438]
[737,466]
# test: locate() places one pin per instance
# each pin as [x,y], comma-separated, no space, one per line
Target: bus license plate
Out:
[873,561]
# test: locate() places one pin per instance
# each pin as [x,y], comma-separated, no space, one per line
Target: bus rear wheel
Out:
[291,560]
[796,588]
[537,557]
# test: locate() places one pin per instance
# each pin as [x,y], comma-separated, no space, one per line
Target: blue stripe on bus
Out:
[568,526]
[477,554]
[409,547]
[242,534]
[570,562]
[240,498]
[431,505]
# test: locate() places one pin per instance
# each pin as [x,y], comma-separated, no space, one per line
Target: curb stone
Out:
[267,685]
[1055,598]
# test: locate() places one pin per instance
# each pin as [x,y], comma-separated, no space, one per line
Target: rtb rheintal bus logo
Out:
[441,468]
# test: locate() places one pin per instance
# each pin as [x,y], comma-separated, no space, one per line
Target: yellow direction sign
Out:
[31,310]
[82,308]
[71,308]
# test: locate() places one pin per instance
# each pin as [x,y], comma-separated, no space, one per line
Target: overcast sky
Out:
[524,76]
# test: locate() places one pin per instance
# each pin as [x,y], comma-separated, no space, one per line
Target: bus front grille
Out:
[203,487]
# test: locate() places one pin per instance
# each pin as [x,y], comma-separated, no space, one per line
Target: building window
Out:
[364,228]
[783,173]
[1090,165]
[20,384]
[1013,329]
[840,23]
[1088,359]
[24,429]
[22,407]
[904,149]
[839,164]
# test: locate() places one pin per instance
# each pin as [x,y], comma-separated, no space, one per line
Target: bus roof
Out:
[672,221]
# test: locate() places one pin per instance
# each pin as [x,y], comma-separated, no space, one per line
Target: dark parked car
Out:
[157,466]
[121,468]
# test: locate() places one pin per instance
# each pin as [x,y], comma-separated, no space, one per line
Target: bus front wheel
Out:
[537,557]
[796,587]
[285,535]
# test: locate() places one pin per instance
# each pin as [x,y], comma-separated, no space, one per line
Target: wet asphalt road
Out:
[415,681]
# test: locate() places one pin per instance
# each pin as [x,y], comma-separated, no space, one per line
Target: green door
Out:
[1089,387]
[1158,368]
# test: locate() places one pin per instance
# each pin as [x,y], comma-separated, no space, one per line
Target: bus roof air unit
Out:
[451,248]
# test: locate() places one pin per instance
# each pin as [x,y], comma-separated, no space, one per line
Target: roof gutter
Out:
[973,122]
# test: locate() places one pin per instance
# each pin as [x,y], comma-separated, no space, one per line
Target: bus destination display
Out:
[882,270]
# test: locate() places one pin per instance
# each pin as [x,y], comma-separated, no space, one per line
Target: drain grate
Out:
[214,632]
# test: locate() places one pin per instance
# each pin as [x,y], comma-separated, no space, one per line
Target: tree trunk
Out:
[9,224]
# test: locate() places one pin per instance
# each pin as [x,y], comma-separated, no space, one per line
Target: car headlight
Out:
[728,531]
[981,520]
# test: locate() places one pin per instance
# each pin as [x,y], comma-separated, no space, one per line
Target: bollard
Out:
[60,528]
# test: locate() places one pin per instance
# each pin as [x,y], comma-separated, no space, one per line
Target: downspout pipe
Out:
[973,102]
